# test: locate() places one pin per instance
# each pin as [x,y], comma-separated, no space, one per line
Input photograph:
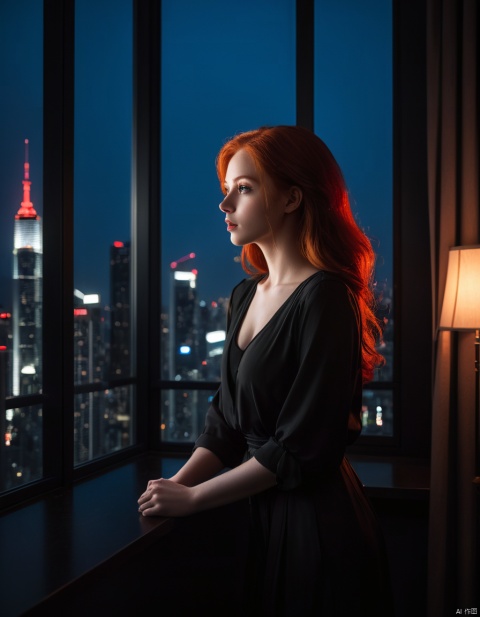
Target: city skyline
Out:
[100,282]
[200,110]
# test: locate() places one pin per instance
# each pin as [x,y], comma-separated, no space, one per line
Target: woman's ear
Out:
[294,199]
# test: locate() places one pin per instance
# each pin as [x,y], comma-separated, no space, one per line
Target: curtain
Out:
[453,201]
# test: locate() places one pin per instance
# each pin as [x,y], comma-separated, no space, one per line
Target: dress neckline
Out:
[249,299]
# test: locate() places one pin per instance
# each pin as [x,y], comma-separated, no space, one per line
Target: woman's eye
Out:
[243,188]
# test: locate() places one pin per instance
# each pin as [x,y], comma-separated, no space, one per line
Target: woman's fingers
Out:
[166,498]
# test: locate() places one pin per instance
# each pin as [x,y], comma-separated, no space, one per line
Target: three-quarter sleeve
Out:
[218,437]
[312,421]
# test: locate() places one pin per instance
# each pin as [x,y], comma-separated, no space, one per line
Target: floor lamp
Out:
[461,311]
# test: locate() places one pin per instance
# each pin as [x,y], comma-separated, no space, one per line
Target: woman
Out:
[300,344]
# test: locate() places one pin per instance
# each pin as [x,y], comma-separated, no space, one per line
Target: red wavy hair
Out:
[329,235]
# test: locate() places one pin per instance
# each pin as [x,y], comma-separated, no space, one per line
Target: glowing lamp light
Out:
[3,348]
[185,350]
[461,303]
[80,312]
[461,311]
[118,245]
[5,315]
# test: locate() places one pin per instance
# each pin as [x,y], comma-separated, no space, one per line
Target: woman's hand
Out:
[169,498]
[166,498]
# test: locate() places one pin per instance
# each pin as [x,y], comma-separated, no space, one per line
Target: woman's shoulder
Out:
[323,282]
[325,289]
[242,289]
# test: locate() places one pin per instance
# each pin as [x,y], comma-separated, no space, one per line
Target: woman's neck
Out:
[286,266]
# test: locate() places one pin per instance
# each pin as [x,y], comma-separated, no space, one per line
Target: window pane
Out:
[102,200]
[21,161]
[102,422]
[183,414]
[21,238]
[354,116]
[217,80]
[21,452]
[377,413]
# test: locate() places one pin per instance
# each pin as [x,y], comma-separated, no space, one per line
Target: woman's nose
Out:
[225,205]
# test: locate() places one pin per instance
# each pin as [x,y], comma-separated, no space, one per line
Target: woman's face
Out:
[246,214]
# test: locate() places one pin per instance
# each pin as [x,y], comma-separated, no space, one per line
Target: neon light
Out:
[185,350]
[26,211]
[174,264]
[118,245]
[3,348]
[5,315]
[80,311]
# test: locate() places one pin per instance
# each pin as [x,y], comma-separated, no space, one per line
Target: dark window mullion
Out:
[58,238]
[304,62]
[146,216]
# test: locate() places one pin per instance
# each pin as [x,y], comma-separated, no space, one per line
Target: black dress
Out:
[292,400]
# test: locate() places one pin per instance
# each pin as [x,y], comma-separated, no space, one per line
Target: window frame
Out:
[412,383]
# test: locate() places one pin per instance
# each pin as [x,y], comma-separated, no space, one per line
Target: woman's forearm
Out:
[171,498]
[247,479]
[201,466]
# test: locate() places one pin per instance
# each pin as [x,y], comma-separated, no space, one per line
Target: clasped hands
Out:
[167,498]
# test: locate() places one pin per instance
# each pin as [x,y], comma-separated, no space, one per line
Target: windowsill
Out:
[68,535]
[64,538]
[393,477]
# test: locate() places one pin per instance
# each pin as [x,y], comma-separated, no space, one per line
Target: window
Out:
[232,74]
[88,403]
[102,204]
[21,247]
[353,107]
[240,88]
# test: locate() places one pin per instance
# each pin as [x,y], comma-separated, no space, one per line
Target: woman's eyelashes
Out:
[241,188]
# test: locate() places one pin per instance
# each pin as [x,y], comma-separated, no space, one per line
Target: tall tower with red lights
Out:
[27,293]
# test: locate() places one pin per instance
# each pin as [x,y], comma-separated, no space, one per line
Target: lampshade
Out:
[461,303]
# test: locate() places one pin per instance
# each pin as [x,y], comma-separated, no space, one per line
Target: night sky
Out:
[226,67]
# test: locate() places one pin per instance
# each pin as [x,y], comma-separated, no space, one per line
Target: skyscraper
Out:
[120,333]
[183,350]
[27,293]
